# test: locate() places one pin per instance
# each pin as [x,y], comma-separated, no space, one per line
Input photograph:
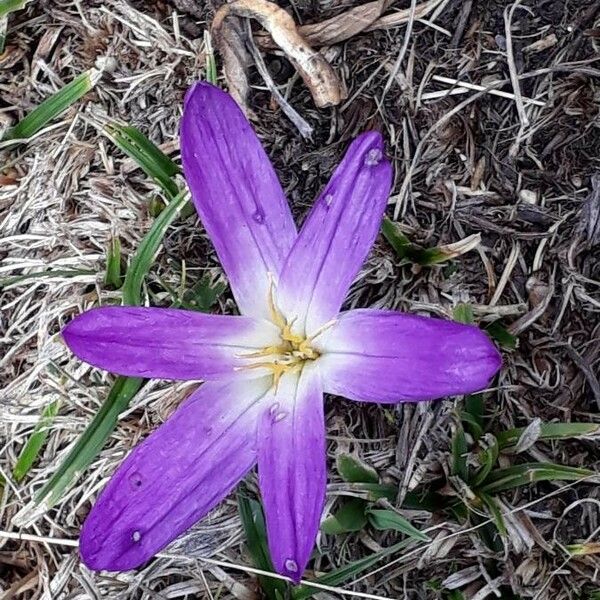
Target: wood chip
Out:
[543,44]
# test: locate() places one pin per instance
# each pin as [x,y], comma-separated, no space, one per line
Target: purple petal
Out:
[237,194]
[337,236]
[386,356]
[175,476]
[292,470]
[166,343]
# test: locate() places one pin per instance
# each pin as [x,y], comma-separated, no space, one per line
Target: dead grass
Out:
[466,163]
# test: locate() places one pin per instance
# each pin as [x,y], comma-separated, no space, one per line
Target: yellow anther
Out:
[288,336]
[305,350]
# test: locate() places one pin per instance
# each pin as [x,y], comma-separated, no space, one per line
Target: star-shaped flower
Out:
[265,371]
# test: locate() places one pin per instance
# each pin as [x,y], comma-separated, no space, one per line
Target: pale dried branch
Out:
[366,17]
[324,85]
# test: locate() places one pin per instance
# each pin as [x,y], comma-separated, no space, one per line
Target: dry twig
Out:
[324,85]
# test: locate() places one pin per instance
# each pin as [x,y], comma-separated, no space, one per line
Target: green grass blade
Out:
[113,264]
[123,390]
[512,477]
[211,63]
[146,252]
[390,520]
[474,405]
[349,517]
[487,458]
[349,571]
[495,512]
[551,431]
[253,522]
[91,440]
[459,454]
[53,106]
[34,444]
[151,159]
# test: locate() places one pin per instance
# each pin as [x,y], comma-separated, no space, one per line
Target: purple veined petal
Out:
[236,193]
[336,237]
[386,356]
[175,476]
[167,343]
[292,469]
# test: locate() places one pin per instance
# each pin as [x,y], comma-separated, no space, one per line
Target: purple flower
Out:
[265,372]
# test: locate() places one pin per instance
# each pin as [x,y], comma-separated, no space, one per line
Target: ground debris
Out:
[590,215]
[450,121]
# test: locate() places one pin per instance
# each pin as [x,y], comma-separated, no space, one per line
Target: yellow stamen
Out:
[276,316]
[292,353]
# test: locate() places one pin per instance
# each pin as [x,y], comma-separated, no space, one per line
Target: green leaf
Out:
[473,413]
[354,470]
[34,444]
[349,517]
[516,476]
[459,454]
[8,6]
[501,335]
[471,425]
[495,512]
[91,440]
[146,252]
[424,256]
[349,571]
[151,159]
[389,519]
[55,105]
[423,500]
[3,28]
[454,595]
[113,264]
[397,240]
[203,295]
[463,313]
[487,458]
[253,522]
[551,431]
[584,549]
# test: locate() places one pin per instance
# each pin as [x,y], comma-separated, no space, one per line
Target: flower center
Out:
[290,354]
